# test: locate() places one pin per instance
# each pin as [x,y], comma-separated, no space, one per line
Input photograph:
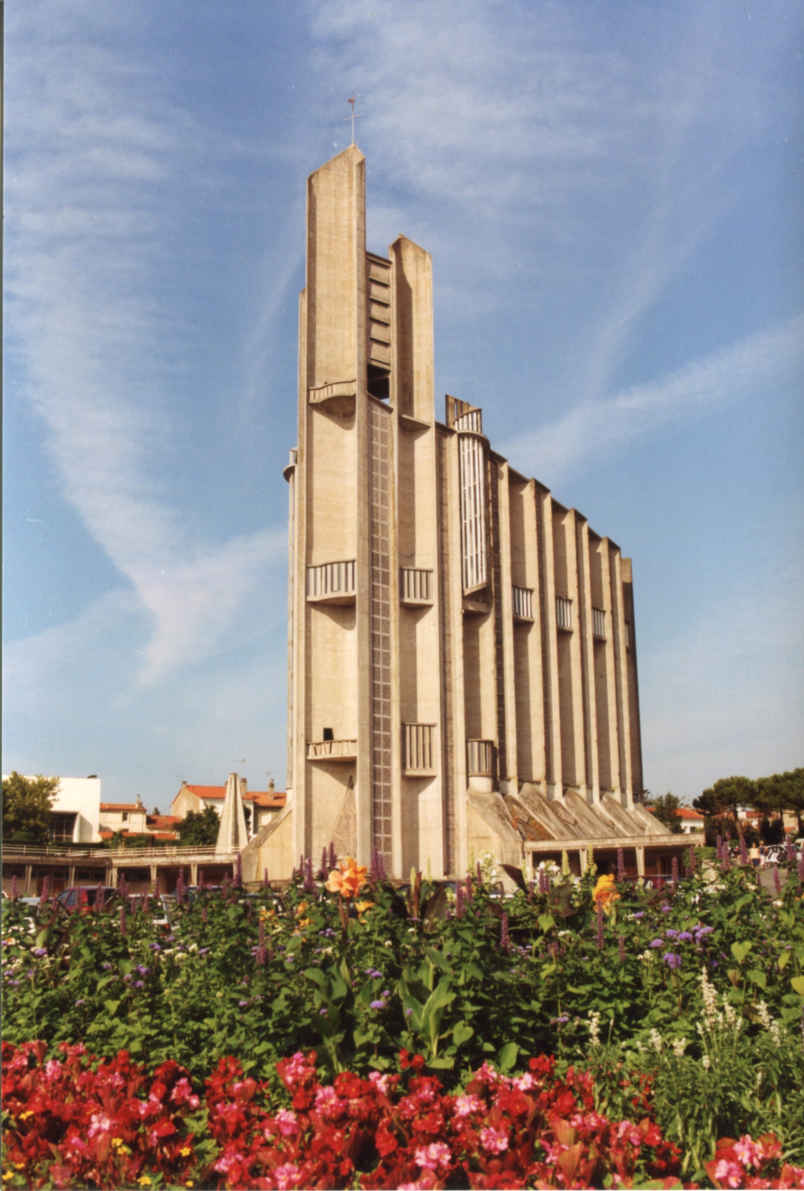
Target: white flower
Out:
[679,1046]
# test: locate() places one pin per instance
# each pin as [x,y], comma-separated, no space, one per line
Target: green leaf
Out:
[784,959]
[111,1006]
[740,950]
[758,977]
[445,1062]
[461,1032]
[798,984]
[506,1056]
[546,923]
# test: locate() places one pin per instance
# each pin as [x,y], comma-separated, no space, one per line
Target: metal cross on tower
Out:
[353,116]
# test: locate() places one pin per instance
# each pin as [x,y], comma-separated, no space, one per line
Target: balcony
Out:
[523,603]
[332,582]
[416,586]
[480,756]
[336,398]
[418,748]
[599,624]
[564,614]
[332,750]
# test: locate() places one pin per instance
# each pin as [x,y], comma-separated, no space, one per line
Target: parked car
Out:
[84,897]
[774,854]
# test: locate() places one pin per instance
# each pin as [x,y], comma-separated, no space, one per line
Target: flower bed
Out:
[696,985]
[71,1121]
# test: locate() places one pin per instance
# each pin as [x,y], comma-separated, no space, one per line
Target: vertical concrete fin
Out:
[232,835]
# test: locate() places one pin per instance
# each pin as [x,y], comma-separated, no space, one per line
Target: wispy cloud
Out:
[96,150]
[597,428]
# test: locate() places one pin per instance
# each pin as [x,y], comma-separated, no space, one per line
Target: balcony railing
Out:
[418,748]
[523,603]
[416,585]
[332,581]
[332,750]
[564,613]
[480,758]
[599,624]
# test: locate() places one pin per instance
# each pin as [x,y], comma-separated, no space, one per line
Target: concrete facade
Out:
[461,646]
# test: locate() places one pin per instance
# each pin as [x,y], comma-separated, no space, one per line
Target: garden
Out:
[343,1031]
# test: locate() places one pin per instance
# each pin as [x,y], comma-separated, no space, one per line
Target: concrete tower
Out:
[462,662]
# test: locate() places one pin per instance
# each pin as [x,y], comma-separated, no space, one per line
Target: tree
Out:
[200,827]
[665,809]
[27,803]
[782,792]
[725,795]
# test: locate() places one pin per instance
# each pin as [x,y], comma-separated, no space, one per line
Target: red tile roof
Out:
[260,797]
[687,812]
[165,822]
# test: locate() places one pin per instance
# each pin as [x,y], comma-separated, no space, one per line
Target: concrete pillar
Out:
[621,672]
[553,727]
[576,657]
[611,726]
[154,877]
[28,880]
[589,702]
[640,860]
[193,872]
[505,614]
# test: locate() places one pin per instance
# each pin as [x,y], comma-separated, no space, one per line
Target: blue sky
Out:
[610,193]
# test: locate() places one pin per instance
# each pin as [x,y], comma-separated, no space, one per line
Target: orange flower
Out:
[605,893]
[348,878]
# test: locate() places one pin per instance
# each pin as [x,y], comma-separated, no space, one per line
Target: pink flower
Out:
[287,1122]
[381,1082]
[493,1141]
[287,1176]
[464,1105]
[436,1155]
[98,1123]
[328,1103]
[729,1173]
[747,1151]
[525,1082]
[627,1130]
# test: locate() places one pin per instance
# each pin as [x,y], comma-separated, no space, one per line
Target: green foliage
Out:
[200,827]
[665,810]
[725,795]
[27,804]
[699,985]
[779,792]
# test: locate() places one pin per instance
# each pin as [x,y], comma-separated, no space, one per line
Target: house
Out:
[128,817]
[260,806]
[75,810]
[691,820]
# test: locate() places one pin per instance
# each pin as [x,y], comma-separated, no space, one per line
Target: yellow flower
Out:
[185,1150]
[24,1115]
[361,906]
[144,1180]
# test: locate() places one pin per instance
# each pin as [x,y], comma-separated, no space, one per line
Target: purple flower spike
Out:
[671,959]
[505,939]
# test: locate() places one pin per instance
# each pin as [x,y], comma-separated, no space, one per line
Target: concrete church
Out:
[462,661]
